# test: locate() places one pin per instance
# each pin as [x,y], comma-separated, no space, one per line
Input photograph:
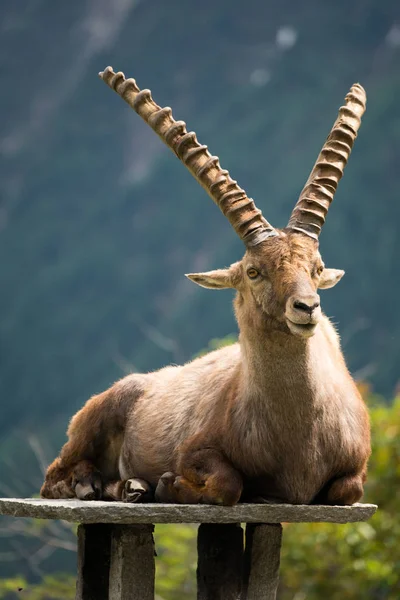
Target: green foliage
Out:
[176,562]
[216,343]
[53,587]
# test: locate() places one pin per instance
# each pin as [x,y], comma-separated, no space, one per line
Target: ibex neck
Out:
[278,365]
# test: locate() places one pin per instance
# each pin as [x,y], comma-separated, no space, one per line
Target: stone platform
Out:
[77,511]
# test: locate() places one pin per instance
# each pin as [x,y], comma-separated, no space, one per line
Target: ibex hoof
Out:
[85,492]
[90,488]
[137,490]
[165,488]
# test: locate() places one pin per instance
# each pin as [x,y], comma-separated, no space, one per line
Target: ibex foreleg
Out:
[206,476]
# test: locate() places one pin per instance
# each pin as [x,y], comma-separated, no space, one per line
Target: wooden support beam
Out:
[220,562]
[261,562]
[94,542]
[132,568]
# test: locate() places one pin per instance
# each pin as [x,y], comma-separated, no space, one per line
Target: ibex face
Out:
[282,269]
[279,278]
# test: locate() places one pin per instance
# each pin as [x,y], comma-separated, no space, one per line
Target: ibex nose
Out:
[308,305]
[304,308]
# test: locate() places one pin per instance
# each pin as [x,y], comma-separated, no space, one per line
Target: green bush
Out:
[176,561]
[53,587]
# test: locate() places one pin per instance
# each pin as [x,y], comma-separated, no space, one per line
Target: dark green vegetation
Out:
[99,222]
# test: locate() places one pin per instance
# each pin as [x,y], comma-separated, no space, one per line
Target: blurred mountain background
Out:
[99,222]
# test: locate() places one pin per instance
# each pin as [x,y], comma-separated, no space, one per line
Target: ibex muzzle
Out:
[303,310]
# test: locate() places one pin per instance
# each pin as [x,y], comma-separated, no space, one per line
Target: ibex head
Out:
[279,277]
[281,270]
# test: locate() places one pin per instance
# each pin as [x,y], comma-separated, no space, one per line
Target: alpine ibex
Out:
[275,417]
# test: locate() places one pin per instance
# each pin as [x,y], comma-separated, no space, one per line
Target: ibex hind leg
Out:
[95,435]
[58,483]
[84,482]
[81,480]
[344,491]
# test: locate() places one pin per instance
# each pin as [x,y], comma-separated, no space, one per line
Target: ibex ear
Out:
[215,280]
[329,278]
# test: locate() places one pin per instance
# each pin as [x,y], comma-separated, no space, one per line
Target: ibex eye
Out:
[252,273]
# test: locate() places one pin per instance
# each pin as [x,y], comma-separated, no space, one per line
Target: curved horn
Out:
[241,211]
[309,214]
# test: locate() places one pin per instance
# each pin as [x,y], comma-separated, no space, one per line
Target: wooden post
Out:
[220,562]
[94,543]
[132,568]
[261,562]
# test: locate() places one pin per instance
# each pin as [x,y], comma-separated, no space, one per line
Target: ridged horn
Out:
[309,214]
[241,211]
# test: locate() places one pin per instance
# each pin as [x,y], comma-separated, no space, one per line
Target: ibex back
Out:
[275,417]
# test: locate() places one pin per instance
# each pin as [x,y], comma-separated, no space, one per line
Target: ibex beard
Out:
[274,418]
